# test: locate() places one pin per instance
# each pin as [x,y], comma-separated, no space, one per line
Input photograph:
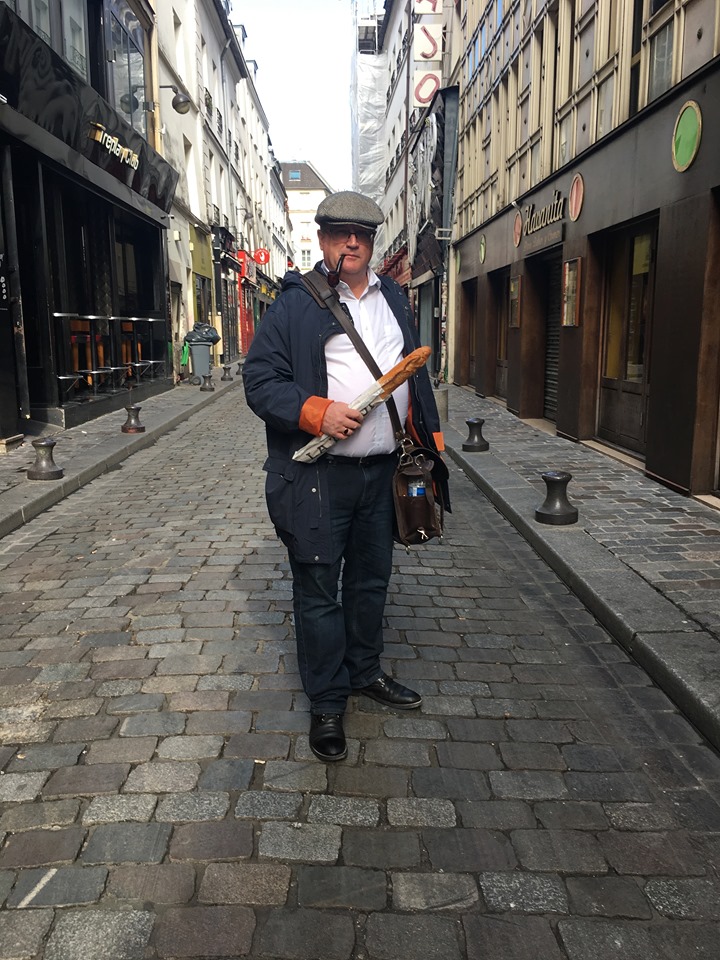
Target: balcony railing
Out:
[208,102]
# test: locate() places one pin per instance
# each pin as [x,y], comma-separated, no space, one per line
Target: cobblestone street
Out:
[159,800]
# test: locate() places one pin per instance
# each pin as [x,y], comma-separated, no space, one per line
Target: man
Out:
[301,375]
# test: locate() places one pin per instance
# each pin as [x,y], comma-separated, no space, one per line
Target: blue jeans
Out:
[339,642]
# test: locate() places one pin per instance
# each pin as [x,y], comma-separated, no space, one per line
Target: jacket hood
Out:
[292,279]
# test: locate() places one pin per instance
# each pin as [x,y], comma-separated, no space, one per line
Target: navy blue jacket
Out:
[284,367]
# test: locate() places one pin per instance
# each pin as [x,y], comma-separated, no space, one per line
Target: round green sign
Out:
[687,135]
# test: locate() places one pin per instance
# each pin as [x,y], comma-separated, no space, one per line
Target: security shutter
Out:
[552,336]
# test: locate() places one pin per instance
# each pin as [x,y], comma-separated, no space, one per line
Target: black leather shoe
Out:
[327,737]
[391,693]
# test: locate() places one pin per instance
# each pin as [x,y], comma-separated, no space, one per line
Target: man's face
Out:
[355,242]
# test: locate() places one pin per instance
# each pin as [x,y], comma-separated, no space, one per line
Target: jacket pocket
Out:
[279,492]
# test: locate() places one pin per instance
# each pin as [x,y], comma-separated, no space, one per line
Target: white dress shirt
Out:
[348,376]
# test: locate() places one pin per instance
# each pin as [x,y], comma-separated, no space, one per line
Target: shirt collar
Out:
[373,278]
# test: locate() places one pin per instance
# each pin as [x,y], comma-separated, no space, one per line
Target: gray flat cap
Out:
[349,209]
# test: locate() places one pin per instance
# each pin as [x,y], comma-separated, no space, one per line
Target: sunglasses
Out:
[343,234]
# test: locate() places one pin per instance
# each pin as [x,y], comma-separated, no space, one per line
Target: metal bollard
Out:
[132,424]
[441,401]
[475,442]
[207,384]
[44,467]
[556,509]
[226,372]
[238,372]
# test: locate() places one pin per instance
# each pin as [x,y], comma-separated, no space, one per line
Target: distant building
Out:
[305,189]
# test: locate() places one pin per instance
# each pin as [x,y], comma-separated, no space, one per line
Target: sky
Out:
[303,50]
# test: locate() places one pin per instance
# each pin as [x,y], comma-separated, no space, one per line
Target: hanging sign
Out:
[261,256]
[427,51]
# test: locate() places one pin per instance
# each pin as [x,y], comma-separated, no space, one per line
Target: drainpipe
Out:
[409,65]
[221,300]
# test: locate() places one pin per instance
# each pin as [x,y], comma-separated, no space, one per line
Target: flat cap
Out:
[349,209]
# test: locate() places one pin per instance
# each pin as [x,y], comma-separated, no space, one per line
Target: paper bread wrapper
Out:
[370,398]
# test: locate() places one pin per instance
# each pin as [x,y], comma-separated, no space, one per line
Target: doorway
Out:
[467,361]
[502,298]
[625,371]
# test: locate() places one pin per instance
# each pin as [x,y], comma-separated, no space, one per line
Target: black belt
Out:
[359,461]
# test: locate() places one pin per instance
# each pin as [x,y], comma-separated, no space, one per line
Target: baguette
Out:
[403,371]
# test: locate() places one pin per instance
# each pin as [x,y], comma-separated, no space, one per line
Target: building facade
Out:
[84,212]
[305,188]
[406,150]
[588,223]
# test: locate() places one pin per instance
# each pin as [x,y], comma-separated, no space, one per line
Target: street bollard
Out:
[44,467]
[476,442]
[207,384]
[132,424]
[238,372]
[226,372]
[556,509]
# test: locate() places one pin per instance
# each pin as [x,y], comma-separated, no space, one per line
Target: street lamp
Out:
[181,102]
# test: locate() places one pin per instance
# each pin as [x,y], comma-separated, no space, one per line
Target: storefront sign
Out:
[686,136]
[4,289]
[113,145]
[201,252]
[545,238]
[544,226]
[577,195]
[427,51]
[535,219]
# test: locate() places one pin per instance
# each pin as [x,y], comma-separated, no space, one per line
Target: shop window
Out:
[202,299]
[629,278]
[126,70]
[661,61]
[137,265]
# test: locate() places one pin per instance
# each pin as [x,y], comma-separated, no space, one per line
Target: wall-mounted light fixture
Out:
[181,102]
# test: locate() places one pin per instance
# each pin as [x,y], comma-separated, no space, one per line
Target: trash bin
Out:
[199,340]
[200,360]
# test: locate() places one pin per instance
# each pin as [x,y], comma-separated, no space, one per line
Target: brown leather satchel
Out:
[419,517]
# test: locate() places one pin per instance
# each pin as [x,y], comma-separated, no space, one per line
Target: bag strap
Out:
[326,297]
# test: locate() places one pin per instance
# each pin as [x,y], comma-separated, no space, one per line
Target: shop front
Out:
[593,303]
[83,218]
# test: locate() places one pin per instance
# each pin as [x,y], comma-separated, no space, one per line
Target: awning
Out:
[229,261]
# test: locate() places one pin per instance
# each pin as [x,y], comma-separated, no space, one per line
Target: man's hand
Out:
[340,420]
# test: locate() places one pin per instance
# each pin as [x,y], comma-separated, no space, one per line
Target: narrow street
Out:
[158,797]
